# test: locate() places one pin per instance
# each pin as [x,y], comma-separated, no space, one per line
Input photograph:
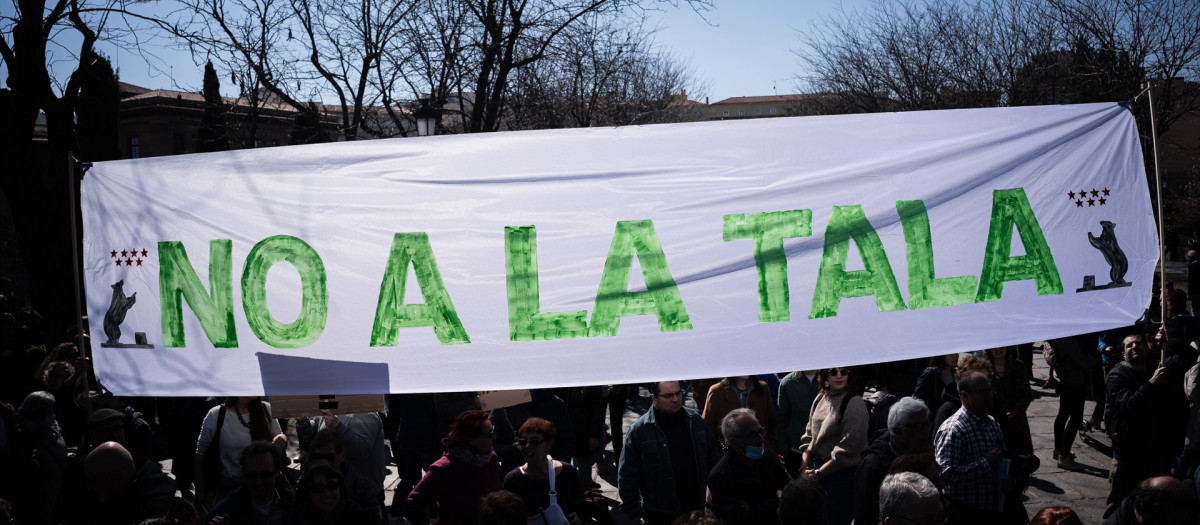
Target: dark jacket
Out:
[1134,417]
[585,408]
[744,490]
[240,509]
[645,474]
[876,460]
[796,396]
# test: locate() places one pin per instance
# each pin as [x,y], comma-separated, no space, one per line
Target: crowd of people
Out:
[941,440]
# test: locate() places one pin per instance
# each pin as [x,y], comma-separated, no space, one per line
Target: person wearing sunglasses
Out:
[832,445]
[466,472]
[264,497]
[320,497]
[531,480]
[666,458]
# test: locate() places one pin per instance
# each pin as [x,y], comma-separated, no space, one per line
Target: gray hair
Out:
[730,424]
[905,410]
[900,492]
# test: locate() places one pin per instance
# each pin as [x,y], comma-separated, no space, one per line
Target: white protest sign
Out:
[521,260]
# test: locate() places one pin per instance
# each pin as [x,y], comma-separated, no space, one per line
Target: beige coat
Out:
[828,438]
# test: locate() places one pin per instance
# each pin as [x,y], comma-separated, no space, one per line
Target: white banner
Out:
[595,256]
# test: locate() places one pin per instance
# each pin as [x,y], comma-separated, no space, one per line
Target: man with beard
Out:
[745,483]
[907,433]
[1134,393]
[656,487]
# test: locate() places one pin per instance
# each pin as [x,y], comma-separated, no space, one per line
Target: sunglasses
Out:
[530,442]
[838,372]
[321,488]
[669,395]
[265,474]
[327,456]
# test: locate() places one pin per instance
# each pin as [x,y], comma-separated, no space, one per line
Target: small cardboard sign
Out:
[493,399]
[296,406]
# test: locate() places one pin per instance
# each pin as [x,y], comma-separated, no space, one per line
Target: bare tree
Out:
[600,75]
[47,50]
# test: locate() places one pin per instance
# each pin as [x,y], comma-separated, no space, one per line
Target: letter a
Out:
[661,297]
[1011,208]
[391,313]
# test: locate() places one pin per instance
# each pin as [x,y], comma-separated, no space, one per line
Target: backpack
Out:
[1050,355]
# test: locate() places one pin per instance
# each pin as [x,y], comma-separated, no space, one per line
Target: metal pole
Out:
[1162,261]
[76,265]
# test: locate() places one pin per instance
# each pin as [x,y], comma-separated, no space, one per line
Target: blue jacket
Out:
[645,478]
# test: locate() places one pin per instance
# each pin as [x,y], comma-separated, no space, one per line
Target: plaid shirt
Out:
[961,448]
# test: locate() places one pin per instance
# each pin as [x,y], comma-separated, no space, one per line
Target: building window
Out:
[741,112]
[700,113]
[725,113]
[757,112]
[772,111]
[135,147]
[177,139]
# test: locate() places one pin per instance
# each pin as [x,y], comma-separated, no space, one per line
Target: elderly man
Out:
[969,447]
[908,497]
[1162,501]
[907,433]
[665,460]
[746,480]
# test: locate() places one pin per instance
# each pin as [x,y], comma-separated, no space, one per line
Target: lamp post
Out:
[427,118]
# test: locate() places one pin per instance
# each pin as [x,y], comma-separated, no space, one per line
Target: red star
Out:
[118,262]
[139,261]
[1078,204]
[124,253]
[1083,193]
[128,262]
[1102,199]
[1091,202]
[1105,192]
[1095,193]
[1070,196]
[114,254]
[144,252]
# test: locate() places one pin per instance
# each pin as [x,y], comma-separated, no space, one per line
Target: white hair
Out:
[900,492]
[905,410]
[730,424]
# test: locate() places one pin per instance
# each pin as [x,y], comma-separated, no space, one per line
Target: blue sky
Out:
[747,49]
[744,48]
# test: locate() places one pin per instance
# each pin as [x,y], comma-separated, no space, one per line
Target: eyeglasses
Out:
[326,456]
[321,488]
[669,395]
[264,474]
[530,442]
[838,372]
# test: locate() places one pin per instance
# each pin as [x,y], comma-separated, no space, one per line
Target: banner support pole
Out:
[73,179]
[1162,261]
